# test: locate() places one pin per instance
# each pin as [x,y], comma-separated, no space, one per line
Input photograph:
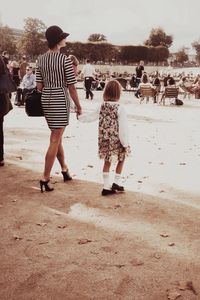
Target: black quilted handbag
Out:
[33,104]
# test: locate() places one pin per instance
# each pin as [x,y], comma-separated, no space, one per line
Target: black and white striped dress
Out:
[55,71]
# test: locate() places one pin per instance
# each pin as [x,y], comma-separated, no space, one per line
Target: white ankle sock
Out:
[106,180]
[117,179]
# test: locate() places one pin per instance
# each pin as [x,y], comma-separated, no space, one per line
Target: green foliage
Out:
[181,56]
[161,53]
[7,41]
[33,40]
[94,51]
[159,38]
[97,37]
[196,46]
[131,54]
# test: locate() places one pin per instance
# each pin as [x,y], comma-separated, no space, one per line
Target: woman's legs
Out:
[61,157]
[55,139]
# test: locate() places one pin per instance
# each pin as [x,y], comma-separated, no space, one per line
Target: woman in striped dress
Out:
[55,78]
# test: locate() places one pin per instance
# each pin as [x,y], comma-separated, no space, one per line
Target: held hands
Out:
[128,150]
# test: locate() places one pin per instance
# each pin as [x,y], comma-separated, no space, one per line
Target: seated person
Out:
[196,90]
[145,83]
[166,79]
[133,82]
[28,83]
[185,85]
[172,84]
[156,84]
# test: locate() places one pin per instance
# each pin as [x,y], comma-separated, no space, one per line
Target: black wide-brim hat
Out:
[54,35]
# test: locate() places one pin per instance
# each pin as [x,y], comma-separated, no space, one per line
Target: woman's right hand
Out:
[78,110]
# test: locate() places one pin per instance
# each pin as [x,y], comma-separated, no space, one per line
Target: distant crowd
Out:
[23,74]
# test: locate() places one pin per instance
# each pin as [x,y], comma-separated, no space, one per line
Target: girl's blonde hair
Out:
[112,91]
[74,59]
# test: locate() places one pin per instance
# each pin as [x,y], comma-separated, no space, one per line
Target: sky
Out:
[127,22]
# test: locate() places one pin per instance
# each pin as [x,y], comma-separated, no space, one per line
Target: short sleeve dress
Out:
[55,71]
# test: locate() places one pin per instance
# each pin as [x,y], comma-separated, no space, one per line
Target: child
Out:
[75,63]
[113,135]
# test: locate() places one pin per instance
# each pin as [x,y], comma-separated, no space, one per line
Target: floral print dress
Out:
[108,140]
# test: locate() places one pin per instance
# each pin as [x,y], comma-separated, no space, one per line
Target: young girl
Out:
[113,135]
[75,63]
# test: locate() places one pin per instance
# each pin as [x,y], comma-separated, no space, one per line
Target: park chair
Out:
[170,92]
[187,91]
[146,92]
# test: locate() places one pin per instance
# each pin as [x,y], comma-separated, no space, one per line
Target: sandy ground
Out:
[75,244]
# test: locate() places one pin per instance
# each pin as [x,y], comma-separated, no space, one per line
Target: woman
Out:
[55,77]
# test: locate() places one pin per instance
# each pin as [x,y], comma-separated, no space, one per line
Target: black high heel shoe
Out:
[66,175]
[44,184]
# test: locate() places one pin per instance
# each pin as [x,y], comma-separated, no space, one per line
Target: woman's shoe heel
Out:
[66,175]
[44,184]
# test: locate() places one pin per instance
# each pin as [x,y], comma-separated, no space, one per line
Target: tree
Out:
[196,46]
[97,37]
[32,41]
[181,55]
[158,37]
[161,53]
[7,40]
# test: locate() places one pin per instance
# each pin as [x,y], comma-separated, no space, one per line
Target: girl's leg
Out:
[52,151]
[106,179]
[106,166]
[117,180]
[119,166]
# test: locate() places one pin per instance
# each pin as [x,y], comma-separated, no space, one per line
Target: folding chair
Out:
[170,92]
[146,92]
[187,91]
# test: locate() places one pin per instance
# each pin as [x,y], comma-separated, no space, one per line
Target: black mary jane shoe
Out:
[106,192]
[66,175]
[44,184]
[117,188]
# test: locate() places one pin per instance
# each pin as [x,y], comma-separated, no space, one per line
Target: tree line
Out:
[97,48]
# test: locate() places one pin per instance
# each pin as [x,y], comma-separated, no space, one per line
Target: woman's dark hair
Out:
[144,78]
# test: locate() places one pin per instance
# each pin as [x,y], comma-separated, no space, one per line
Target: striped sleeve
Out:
[69,72]
[39,77]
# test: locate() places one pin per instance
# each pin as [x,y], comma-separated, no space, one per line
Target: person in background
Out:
[22,67]
[88,72]
[166,79]
[5,57]
[139,72]
[56,80]
[171,83]
[113,140]
[157,85]
[5,107]
[15,72]
[28,84]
